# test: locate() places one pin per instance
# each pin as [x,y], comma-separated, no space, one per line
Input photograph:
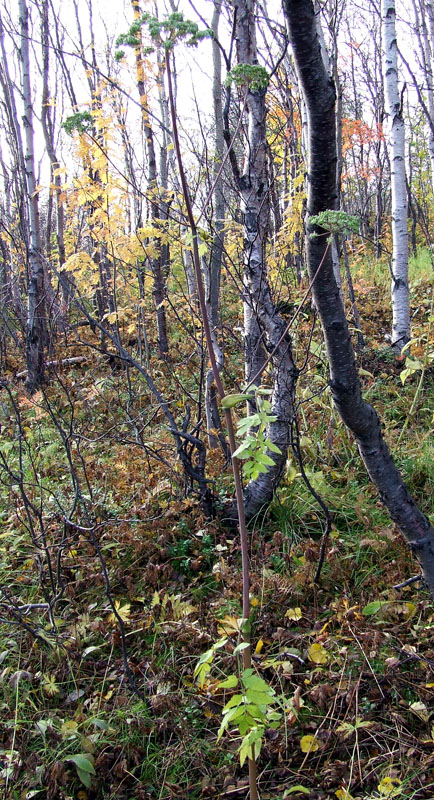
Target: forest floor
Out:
[351,658]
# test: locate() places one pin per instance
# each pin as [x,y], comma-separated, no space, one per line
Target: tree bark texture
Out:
[396,144]
[48,130]
[212,273]
[359,416]
[264,328]
[35,329]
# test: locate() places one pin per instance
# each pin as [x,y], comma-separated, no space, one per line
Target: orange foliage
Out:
[356,132]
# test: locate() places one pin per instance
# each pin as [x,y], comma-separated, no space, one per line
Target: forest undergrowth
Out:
[100,701]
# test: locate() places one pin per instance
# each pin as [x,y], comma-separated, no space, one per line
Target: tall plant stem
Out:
[247,653]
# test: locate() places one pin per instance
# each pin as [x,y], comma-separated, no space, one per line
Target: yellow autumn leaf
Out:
[318,654]
[110,317]
[343,794]
[410,609]
[228,626]
[294,613]
[68,728]
[309,744]
[389,787]
[79,262]
[259,646]
[124,612]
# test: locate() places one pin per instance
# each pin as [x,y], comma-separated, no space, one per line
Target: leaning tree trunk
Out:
[359,416]
[35,309]
[265,330]
[400,290]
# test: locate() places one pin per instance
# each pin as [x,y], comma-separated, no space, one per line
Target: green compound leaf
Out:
[255,76]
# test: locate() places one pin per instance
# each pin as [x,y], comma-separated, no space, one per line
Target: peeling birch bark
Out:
[396,145]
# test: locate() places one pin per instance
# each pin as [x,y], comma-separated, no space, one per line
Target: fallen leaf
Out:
[309,744]
[318,654]
[294,613]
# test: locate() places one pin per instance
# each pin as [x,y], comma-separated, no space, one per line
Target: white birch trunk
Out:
[396,146]
[265,330]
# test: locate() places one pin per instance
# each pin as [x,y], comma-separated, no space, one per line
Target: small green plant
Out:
[414,365]
[81,122]
[251,710]
[166,33]
[421,365]
[336,222]
[255,76]
[255,446]
[83,763]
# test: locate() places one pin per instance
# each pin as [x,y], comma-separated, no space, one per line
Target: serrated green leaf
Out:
[247,423]
[261,699]
[235,700]
[273,447]
[256,683]
[230,716]
[230,683]
[243,451]
[262,458]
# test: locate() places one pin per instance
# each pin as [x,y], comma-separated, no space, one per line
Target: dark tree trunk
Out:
[359,416]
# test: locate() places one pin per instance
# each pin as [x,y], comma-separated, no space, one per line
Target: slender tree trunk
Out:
[212,273]
[424,29]
[159,288]
[35,332]
[48,130]
[400,289]
[265,330]
[359,416]
[254,190]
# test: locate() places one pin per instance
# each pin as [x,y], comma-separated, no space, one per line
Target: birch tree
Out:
[212,273]
[35,329]
[48,127]
[396,145]
[266,336]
